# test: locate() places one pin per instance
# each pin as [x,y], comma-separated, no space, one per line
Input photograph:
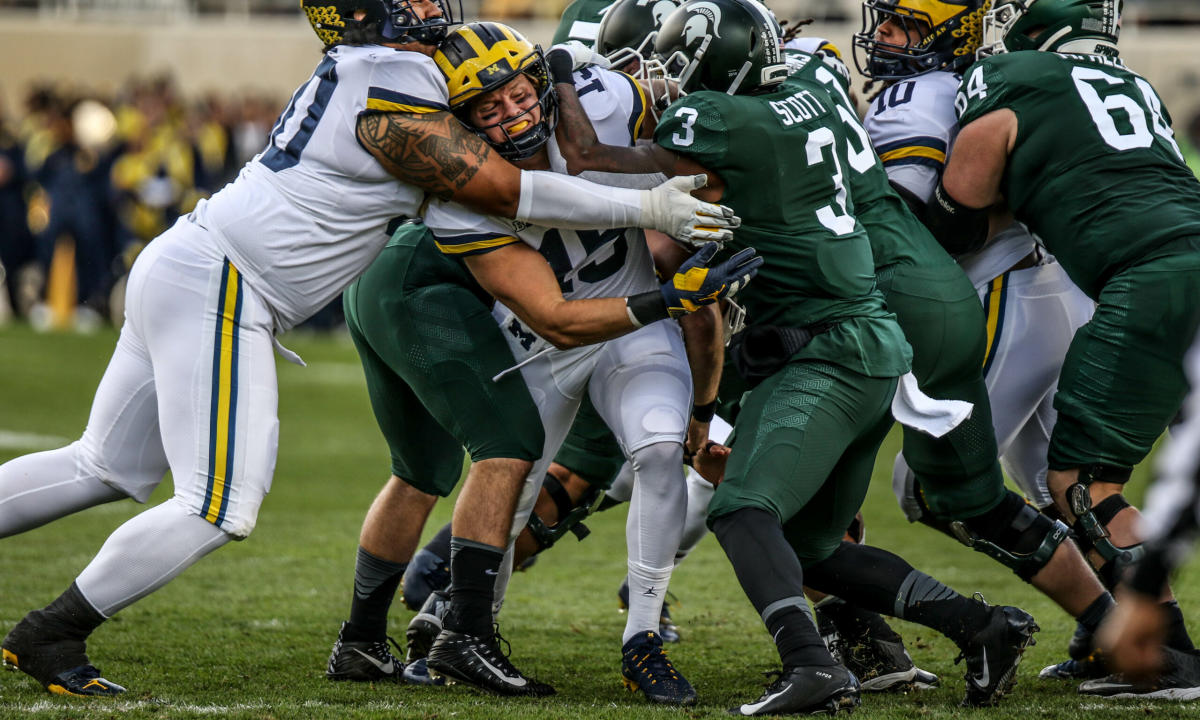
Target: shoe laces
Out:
[654,664]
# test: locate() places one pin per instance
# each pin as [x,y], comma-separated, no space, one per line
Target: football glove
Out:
[694,285]
[670,208]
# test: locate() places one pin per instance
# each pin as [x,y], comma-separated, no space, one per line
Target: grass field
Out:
[246,633]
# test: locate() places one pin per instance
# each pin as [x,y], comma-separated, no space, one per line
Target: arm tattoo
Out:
[428,150]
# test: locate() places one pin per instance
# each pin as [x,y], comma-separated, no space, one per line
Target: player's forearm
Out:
[572,323]
[703,339]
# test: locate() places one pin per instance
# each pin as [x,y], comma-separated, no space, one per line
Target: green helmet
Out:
[629,28]
[1082,26]
[729,46]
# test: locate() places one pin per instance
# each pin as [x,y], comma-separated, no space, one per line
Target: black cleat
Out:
[806,691]
[61,665]
[875,654]
[425,625]
[425,573]
[646,667]
[478,661]
[1179,680]
[667,630]
[994,653]
[364,660]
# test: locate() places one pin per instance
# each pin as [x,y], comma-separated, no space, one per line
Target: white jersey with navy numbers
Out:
[307,215]
[588,263]
[912,124]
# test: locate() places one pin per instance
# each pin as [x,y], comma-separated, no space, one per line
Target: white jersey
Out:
[913,125]
[307,215]
[588,263]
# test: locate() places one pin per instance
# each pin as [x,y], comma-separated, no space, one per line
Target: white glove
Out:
[581,55]
[670,208]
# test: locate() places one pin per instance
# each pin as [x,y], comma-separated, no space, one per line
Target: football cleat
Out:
[667,630]
[806,691]
[876,654]
[994,653]
[1179,680]
[1071,669]
[426,572]
[61,666]
[417,673]
[478,661]
[425,625]
[364,660]
[646,667]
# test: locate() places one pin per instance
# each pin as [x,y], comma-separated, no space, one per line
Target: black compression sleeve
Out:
[959,229]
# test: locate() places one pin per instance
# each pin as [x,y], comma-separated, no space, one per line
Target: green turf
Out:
[246,632]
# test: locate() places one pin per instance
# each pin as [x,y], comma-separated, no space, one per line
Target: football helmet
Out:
[629,29]
[480,57]
[949,32]
[396,19]
[1083,26]
[729,46]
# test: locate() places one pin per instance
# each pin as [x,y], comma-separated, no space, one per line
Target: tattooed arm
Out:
[435,153]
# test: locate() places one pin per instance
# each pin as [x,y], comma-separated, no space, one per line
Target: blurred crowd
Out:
[87,180]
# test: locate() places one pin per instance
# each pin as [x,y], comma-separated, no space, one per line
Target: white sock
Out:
[652,532]
[695,526]
[146,553]
[38,488]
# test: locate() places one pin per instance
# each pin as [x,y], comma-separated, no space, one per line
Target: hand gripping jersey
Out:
[309,213]
[588,263]
[912,125]
[784,157]
[581,21]
[1095,171]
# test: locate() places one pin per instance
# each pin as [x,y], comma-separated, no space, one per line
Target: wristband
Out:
[562,66]
[645,308]
[704,413]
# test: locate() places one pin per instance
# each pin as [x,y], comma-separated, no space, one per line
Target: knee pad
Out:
[1015,534]
[570,516]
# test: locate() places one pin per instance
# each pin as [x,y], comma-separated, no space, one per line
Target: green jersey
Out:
[581,20]
[1095,170]
[783,158]
[896,235]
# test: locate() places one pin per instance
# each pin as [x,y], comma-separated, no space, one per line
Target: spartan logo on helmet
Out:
[659,9]
[704,16]
[728,46]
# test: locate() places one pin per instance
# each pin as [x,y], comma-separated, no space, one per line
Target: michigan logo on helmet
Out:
[481,57]
[628,31]
[1091,27]
[394,20]
[730,46]
[936,35]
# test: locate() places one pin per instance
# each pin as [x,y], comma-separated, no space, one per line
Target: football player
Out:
[819,343]
[916,50]
[191,386]
[639,384]
[1132,635]
[1082,151]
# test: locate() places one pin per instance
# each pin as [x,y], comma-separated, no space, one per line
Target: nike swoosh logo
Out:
[384,667]
[491,572]
[983,677]
[515,682]
[751,708]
